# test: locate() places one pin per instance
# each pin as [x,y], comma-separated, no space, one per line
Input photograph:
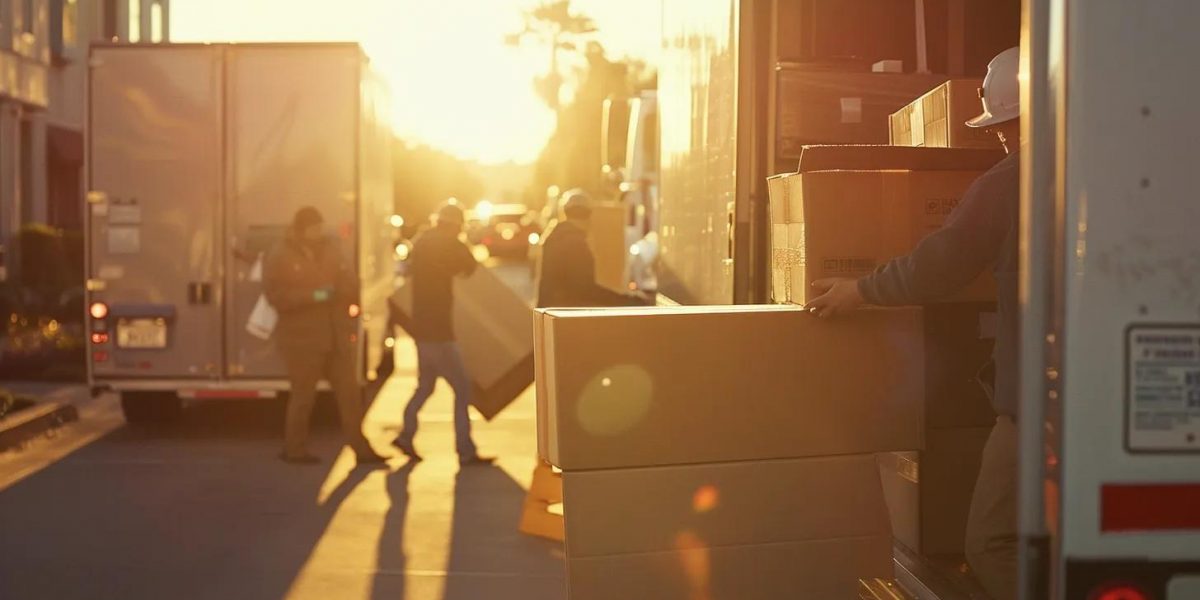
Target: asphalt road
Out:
[203,509]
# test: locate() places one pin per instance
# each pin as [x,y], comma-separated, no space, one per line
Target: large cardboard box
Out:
[627,511]
[929,492]
[819,106]
[495,334]
[814,569]
[628,387]
[606,236]
[938,118]
[849,223]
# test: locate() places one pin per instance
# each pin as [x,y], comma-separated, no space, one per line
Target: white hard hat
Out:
[1001,93]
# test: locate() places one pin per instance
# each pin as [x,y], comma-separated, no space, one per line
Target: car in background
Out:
[506,230]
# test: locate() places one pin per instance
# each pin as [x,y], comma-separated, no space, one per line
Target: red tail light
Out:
[353,311]
[99,338]
[100,357]
[98,310]
[1118,591]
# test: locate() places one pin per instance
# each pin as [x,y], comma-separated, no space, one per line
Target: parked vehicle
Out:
[507,230]
[198,157]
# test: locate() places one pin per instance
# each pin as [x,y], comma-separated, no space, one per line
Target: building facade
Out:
[43,76]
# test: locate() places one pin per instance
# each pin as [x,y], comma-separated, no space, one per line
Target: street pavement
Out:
[203,509]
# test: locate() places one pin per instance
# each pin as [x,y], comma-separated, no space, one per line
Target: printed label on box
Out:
[1163,388]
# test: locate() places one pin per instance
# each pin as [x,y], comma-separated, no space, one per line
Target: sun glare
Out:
[455,84]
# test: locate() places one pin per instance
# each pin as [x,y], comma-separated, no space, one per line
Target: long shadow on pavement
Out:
[390,572]
[201,510]
[489,558]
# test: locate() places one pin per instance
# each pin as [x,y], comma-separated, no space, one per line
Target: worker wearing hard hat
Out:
[982,232]
[567,273]
[437,257]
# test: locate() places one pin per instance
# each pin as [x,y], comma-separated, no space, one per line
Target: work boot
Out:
[407,448]
[476,461]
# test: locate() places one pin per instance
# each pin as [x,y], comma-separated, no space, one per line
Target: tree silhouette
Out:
[553,25]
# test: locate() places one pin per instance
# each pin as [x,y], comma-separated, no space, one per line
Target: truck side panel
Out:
[293,138]
[376,205]
[698,92]
[154,149]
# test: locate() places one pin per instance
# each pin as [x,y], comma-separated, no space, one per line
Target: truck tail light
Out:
[98,310]
[99,338]
[100,357]
[1118,591]
[354,311]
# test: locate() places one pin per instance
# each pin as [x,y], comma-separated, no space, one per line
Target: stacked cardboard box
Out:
[845,212]
[820,106]
[725,451]
[492,324]
[938,119]
[830,221]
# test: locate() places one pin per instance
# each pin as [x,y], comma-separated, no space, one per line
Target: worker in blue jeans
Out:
[437,257]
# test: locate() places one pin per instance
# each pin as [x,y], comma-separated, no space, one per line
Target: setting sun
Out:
[455,84]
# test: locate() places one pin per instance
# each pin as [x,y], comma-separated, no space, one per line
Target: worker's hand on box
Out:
[838,295]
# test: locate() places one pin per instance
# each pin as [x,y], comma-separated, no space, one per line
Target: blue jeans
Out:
[434,360]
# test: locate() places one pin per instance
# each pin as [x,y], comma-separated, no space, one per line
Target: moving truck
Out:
[1109,461]
[198,155]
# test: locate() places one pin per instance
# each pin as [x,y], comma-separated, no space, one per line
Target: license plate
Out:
[142,333]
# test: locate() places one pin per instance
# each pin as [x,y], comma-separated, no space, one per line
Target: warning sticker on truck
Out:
[1163,388]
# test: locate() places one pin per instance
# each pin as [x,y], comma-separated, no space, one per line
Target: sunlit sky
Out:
[455,85]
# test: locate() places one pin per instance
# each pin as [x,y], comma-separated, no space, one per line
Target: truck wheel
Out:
[150,407]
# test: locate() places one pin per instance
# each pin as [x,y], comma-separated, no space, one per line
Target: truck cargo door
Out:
[293,140]
[154,173]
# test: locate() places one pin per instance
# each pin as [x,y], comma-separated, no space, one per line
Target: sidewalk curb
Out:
[41,419]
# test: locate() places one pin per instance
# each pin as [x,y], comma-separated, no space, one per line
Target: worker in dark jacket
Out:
[567,276]
[312,289]
[982,232]
[436,259]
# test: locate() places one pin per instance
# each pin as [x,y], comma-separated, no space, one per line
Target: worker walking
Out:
[437,257]
[983,231]
[307,282]
[567,273]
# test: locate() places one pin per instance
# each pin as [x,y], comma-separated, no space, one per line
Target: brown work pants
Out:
[991,544]
[305,369]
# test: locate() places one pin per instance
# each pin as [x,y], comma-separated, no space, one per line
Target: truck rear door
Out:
[293,139]
[154,171]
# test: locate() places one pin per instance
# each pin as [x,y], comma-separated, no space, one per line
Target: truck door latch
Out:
[199,292]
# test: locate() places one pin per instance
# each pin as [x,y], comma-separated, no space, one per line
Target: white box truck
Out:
[198,155]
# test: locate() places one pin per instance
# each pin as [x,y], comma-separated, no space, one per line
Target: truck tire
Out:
[150,407]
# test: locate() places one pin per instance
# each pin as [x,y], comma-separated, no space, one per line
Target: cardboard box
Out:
[815,569]
[928,493]
[606,235]
[819,106]
[631,387]
[849,223]
[628,511]
[494,330]
[938,118]
[895,158]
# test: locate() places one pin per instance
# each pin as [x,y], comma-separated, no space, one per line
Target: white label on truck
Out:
[1163,388]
